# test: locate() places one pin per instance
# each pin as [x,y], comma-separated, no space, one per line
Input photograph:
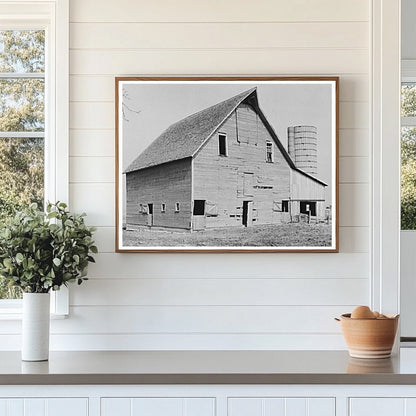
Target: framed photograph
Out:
[235,164]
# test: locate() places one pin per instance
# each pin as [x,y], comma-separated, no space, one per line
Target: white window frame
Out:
[385,184]
[177,207]
[53,17]
[163,207]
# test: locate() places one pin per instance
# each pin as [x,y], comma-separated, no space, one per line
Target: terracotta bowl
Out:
[369,338]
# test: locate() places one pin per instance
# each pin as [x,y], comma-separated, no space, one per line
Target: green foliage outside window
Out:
[408,160]
[408,179]
[21,110]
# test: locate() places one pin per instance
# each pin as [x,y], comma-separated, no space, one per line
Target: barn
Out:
[225,166]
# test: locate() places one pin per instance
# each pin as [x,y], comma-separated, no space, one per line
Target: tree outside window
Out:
[408,157]
[22,124]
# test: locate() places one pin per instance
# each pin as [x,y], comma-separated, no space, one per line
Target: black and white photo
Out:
[237,164]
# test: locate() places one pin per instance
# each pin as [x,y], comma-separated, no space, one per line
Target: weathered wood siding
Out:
[243,175]
[304,188]
[164,184]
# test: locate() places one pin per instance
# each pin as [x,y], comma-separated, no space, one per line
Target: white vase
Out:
[35,326]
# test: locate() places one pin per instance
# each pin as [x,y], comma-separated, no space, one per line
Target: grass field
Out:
[284,235]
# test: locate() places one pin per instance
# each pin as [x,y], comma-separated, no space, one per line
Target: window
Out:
[211,209]
[199,207]
[142,209]
[269,152]
[285,206]
[22,124]
[177,206]
[222,144]
[408,154]
[163,208]
[33,164]
[277,206]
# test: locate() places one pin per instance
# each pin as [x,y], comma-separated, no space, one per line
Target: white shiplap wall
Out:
[214,301]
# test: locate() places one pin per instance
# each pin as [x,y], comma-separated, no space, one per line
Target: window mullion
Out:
[24,134]
[22,75]
[408,121]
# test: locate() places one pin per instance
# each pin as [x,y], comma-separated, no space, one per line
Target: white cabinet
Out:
[281,406]
[44,407]
[377,406]
[159,406]
[208,400]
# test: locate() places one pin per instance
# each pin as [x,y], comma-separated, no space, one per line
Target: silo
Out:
[303,148]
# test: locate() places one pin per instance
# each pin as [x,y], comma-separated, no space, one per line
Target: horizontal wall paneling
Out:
[203,301]
[221,61]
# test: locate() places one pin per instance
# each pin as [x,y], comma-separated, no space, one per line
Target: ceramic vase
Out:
[35,326]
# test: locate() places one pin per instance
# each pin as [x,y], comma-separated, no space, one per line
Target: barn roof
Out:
[184,138]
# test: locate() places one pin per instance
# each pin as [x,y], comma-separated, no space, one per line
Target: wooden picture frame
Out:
[227,164]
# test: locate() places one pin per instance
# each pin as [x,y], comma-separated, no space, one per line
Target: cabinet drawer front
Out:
[274,406]
[159,406]
[44,407]
[382,406]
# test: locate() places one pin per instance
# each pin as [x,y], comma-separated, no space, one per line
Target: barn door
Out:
[198,221]
[247,213]
[149,215]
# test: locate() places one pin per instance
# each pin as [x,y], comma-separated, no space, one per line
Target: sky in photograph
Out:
[149,109]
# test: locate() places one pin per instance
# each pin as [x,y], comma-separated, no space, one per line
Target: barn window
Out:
[222,144]
[163,208]
[177,206]
[277,206]
[199,207]
[285,206]
[211,209]
[269,152]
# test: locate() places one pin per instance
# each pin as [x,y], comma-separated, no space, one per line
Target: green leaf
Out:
[69,223]
[94,249]
[57,262]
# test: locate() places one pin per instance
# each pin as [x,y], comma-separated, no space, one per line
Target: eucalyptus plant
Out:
[42,251]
